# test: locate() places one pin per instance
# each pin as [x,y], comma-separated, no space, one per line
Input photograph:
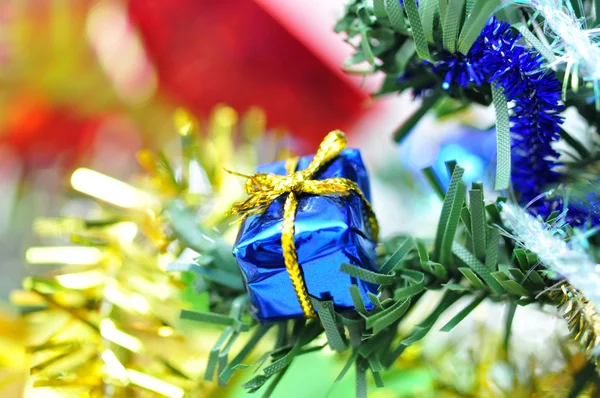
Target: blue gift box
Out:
[330,230]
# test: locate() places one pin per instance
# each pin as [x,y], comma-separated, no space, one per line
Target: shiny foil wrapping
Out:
[330,230]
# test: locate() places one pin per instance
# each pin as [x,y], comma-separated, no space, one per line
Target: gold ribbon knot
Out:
[264,188]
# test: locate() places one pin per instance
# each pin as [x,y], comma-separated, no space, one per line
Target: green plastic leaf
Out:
[456,287]
[417,29]
[422,251]
[359,304]
[396,15]
[470,4]
[187,230]
[355,331]
[271,388]
[510,316]
[493,211]
[327,315]
[223,357]
[375,300]
[305,334]
[351,360]
[451,166]
[448,299]
[415,287]
[366,45]
[536,43]
[574,143]
[515,288]
[423,328]
[366,275]
[383,319]
[472,277]
[536,279]
[443,4]
[367,348]
[255,383]
[503,268]
[389,85]
[378,380]
[503,165]
[447,209]
[481,270]
[517,275]
[412,121]
[482,11]
[520,278]
[379,8]
[449,107]
[532,259]
[438,270]
[409,291]
[462,314]
[395,260]
[452,24]
[218,354]
[387,302]
[357,58]
[216,275]
[361,379]
[521,256]
[491,250]
[429,9]
[434,181]
[402,58]
[207,317]
[214,353]
[457,202]
[194,236]
[465,216]
[552,217]
[413,276]
[229,370]
[478,223]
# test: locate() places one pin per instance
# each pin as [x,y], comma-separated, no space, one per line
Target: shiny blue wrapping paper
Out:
[329,230]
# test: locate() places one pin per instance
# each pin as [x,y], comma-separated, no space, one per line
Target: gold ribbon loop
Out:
[264,188]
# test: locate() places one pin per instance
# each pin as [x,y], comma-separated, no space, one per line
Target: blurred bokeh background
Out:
[88,83]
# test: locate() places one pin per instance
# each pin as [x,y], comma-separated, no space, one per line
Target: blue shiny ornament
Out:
[330,230]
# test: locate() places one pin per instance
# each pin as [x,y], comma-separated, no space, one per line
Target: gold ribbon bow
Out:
[264,188]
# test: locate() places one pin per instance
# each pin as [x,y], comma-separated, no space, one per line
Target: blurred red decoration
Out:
[233,51]
[44,134]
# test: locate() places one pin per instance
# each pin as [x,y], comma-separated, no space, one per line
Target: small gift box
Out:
[302,222]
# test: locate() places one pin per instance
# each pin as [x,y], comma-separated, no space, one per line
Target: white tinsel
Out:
[569,260]
[574,44]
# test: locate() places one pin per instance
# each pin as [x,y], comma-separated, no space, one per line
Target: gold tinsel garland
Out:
[582,318]
[105,320]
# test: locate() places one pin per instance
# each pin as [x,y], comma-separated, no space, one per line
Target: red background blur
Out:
[233,51]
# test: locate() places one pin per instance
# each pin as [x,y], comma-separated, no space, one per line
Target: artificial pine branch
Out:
[408,269]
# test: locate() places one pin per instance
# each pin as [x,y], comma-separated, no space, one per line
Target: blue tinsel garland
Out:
[497,58]
[585,204]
